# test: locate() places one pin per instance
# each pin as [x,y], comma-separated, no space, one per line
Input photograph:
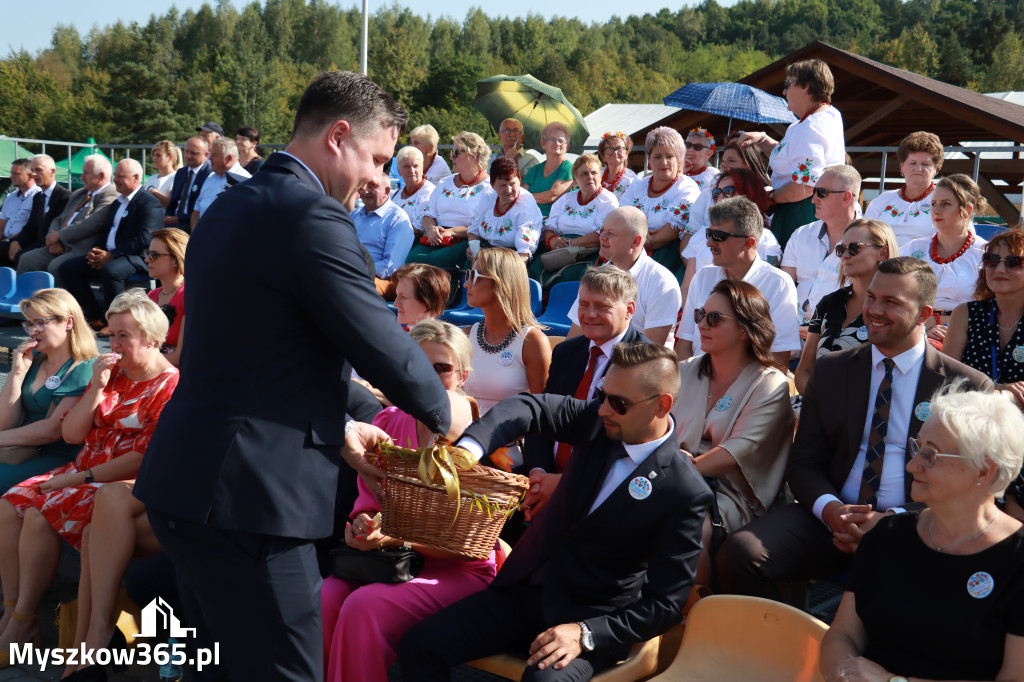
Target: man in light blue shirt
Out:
[385,231]
[226,172]
[18,204]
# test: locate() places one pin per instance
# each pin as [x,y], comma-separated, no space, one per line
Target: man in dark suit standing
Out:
[848,464]
[49,202]
[116,254]
[188,181]
[607,301]
[242,470]
[611,560]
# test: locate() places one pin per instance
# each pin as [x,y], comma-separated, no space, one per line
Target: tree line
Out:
[139,83]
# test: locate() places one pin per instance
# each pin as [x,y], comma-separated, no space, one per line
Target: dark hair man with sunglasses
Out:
[810,257]
[848,464]
[611,560]
[733,236]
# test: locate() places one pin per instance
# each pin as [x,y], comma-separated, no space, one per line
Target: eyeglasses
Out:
[922,165]
[443,368]
[473,276]
[729,192]
[722,235]
[619,404]
[560,141]
[456,152]
[713,318]
[853,248]
[615,150]
[927,453]
[507,131]
[821,192]
[992,260]
[149,254]
[32,325]
[698,147]
[786,83]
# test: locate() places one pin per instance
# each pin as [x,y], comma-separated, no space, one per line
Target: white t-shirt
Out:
[816,263]
[706,178]
[627,179]
[438,170]
[957,279]
[452,206]
[415,205]
[672,207]
[809,147]
[768,248]
[908,220]
[568,217]
[160,184]
[777,288]
[658,296]
[517,229]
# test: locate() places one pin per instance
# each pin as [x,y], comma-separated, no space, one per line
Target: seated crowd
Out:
[810,389]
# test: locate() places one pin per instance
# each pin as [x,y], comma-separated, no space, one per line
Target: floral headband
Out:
[705,133]
[618,133]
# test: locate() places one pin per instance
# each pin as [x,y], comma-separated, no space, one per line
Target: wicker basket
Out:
[417,512]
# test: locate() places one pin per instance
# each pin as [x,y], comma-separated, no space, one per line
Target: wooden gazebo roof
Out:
[881,104]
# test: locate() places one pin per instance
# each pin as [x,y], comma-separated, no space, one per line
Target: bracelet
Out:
[547,242]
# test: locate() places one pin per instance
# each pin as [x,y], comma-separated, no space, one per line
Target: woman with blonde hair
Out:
[454,204]
[666,197]
[510,352]
[49,373]
[837,322]
[166,158]
[549,180]
[425,138]
[416,190]
[165,260]
[614,150]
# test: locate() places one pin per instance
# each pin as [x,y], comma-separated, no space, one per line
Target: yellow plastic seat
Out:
[730,638]
[642,662]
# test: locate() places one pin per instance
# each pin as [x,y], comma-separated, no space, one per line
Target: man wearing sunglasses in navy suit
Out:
[610,560]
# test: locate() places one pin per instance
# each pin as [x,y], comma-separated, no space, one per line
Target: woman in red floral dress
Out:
[115,419]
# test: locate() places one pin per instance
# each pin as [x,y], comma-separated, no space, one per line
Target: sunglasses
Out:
[927,453]
[619,404]
[992,260]
[456,152]
[713,318]
[443,368]
[698,147]
[472,277]
[149,254]
[822,193]
[853,248]
[728,192]
[786,83]
[722,235]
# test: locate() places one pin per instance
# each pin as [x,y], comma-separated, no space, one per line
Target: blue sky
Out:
[32,31]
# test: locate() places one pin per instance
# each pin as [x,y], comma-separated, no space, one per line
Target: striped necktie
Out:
[875,457]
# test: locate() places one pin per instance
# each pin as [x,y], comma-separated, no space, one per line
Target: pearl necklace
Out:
[954,544]
[903,194]
[611,185]
[481,338]
[934,250]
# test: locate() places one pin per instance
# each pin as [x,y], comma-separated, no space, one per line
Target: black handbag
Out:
[384,565]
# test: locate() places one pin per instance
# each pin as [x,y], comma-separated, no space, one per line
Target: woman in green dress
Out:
[49,372]
[549,180]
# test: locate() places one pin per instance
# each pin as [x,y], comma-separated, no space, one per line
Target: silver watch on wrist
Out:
[586,637]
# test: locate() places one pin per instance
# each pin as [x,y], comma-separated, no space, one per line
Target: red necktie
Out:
[564,450]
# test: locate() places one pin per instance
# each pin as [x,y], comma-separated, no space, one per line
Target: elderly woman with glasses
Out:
[453,205]
[613,150]
[742,433]
[938,594]
[165,260]
[908,209]
[666,197]
[837,322]
[810,145]
[49,372]
[553,178]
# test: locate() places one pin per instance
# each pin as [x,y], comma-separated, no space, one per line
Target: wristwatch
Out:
[586,637]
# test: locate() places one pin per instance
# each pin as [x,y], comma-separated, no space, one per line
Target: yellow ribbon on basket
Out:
[442,458]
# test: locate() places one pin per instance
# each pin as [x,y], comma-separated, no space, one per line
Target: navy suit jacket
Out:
[627,568]
[33,234]
[134,232]
[183,199]
[280,308]
[568,365]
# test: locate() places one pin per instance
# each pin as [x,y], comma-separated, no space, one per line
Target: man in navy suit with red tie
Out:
[611,559]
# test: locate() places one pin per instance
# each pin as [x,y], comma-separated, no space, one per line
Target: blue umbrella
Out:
[732,100]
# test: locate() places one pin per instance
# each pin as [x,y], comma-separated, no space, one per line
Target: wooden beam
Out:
[1003,206]
[865,123]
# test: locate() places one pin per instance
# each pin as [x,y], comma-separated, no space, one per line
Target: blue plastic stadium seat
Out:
[986,231]
[560,300]
[8,281]
[536,297]
[28,284]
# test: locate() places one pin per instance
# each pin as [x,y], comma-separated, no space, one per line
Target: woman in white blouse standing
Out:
[513,221]
[908,209]
[166,158]
[614,150]
[954,251]
[813,143]
[666,197]
[416,190]
[425,138]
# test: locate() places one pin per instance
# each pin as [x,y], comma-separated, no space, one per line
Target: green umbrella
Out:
[532,103]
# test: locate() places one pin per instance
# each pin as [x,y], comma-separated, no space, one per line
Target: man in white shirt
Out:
[848,464]
[735,232]
[226,172]
[658,299]
[386,232]
[810,257]
[18,204]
